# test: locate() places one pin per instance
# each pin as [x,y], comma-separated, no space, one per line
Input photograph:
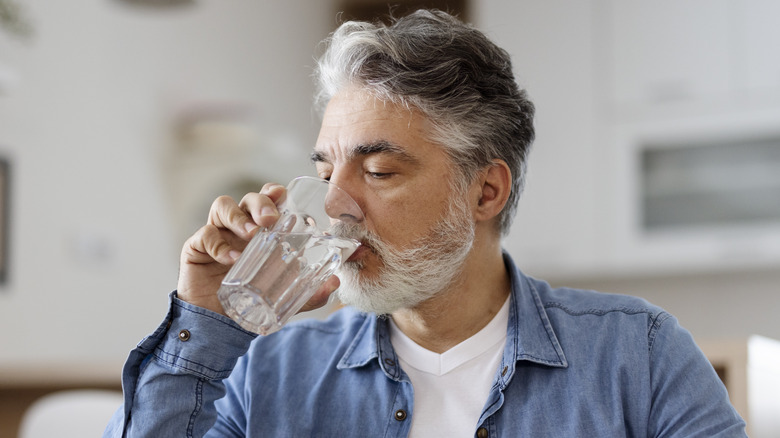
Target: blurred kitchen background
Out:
[656,169]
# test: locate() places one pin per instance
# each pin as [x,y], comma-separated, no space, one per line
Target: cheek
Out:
[400,222]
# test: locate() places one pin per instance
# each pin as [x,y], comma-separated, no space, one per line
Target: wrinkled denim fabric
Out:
[576,364]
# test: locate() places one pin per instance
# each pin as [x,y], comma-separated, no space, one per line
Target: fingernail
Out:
[268,211]
[234,254]
[249,226]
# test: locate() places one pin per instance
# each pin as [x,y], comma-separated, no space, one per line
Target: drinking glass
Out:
[282,267]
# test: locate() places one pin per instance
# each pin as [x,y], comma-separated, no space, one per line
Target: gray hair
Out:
[449,71]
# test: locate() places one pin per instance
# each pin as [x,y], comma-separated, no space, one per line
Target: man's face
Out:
[380,155]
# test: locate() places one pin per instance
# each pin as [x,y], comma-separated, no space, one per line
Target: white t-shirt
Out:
[450,389]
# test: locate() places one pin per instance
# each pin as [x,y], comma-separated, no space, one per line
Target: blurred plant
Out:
[13,19]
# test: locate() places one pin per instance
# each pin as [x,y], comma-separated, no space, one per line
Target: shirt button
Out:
[184,335]
[400,415]
[482,433]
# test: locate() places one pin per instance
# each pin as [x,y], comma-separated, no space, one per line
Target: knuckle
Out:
[203,236]
[249,199]
[224,211]
[216,247]
[236,216]
[223,200]
[213,242]
[220,204]
[267,187]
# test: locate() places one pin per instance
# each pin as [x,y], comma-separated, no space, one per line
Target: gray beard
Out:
[411,276]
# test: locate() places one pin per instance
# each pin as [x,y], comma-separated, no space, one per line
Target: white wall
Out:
[88,127]
[567,56]
[552,51]
[98,211]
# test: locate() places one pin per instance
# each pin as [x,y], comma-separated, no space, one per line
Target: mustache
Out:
[355,232]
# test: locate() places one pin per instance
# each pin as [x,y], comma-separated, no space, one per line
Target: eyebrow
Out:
[365,149]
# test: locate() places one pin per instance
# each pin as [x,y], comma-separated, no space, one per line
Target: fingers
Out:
[209,253]
[261,207]
[225,213]
[320,298]
[231,225]
[254,211]
[212,244]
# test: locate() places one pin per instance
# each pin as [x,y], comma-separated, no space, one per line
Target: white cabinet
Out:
[721,52]
[668,50]
[610,77]
[740,236]
[760,43]
[681,73]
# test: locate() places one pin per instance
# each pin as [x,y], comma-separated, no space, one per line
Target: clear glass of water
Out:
[282,267]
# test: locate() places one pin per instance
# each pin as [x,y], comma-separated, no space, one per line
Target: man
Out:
[427,130]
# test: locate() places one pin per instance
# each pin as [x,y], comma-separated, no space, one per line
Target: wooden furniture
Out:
[750,369]
[22,385]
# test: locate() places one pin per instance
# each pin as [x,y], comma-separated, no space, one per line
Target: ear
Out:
[494,186]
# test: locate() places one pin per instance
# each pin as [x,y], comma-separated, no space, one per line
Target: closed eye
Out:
[324,175]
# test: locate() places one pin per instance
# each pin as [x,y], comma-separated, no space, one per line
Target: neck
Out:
[462,310]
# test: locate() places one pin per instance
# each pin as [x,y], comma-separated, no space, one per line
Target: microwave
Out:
[694,193]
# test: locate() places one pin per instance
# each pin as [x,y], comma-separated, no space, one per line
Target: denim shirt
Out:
[576,364]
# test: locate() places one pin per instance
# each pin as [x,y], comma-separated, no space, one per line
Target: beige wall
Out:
[89,126]
[98,210]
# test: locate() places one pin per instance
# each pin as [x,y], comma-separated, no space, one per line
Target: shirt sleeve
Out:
[689,400]
[173,377]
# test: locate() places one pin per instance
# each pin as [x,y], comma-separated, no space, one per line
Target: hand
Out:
[208,255]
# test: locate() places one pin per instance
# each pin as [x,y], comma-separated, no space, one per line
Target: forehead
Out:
[354,120]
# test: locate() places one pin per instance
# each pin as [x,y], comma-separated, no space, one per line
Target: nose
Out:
[339,205]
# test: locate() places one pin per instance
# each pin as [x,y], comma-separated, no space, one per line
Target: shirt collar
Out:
[530,336]
[371,342]
[363,347]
